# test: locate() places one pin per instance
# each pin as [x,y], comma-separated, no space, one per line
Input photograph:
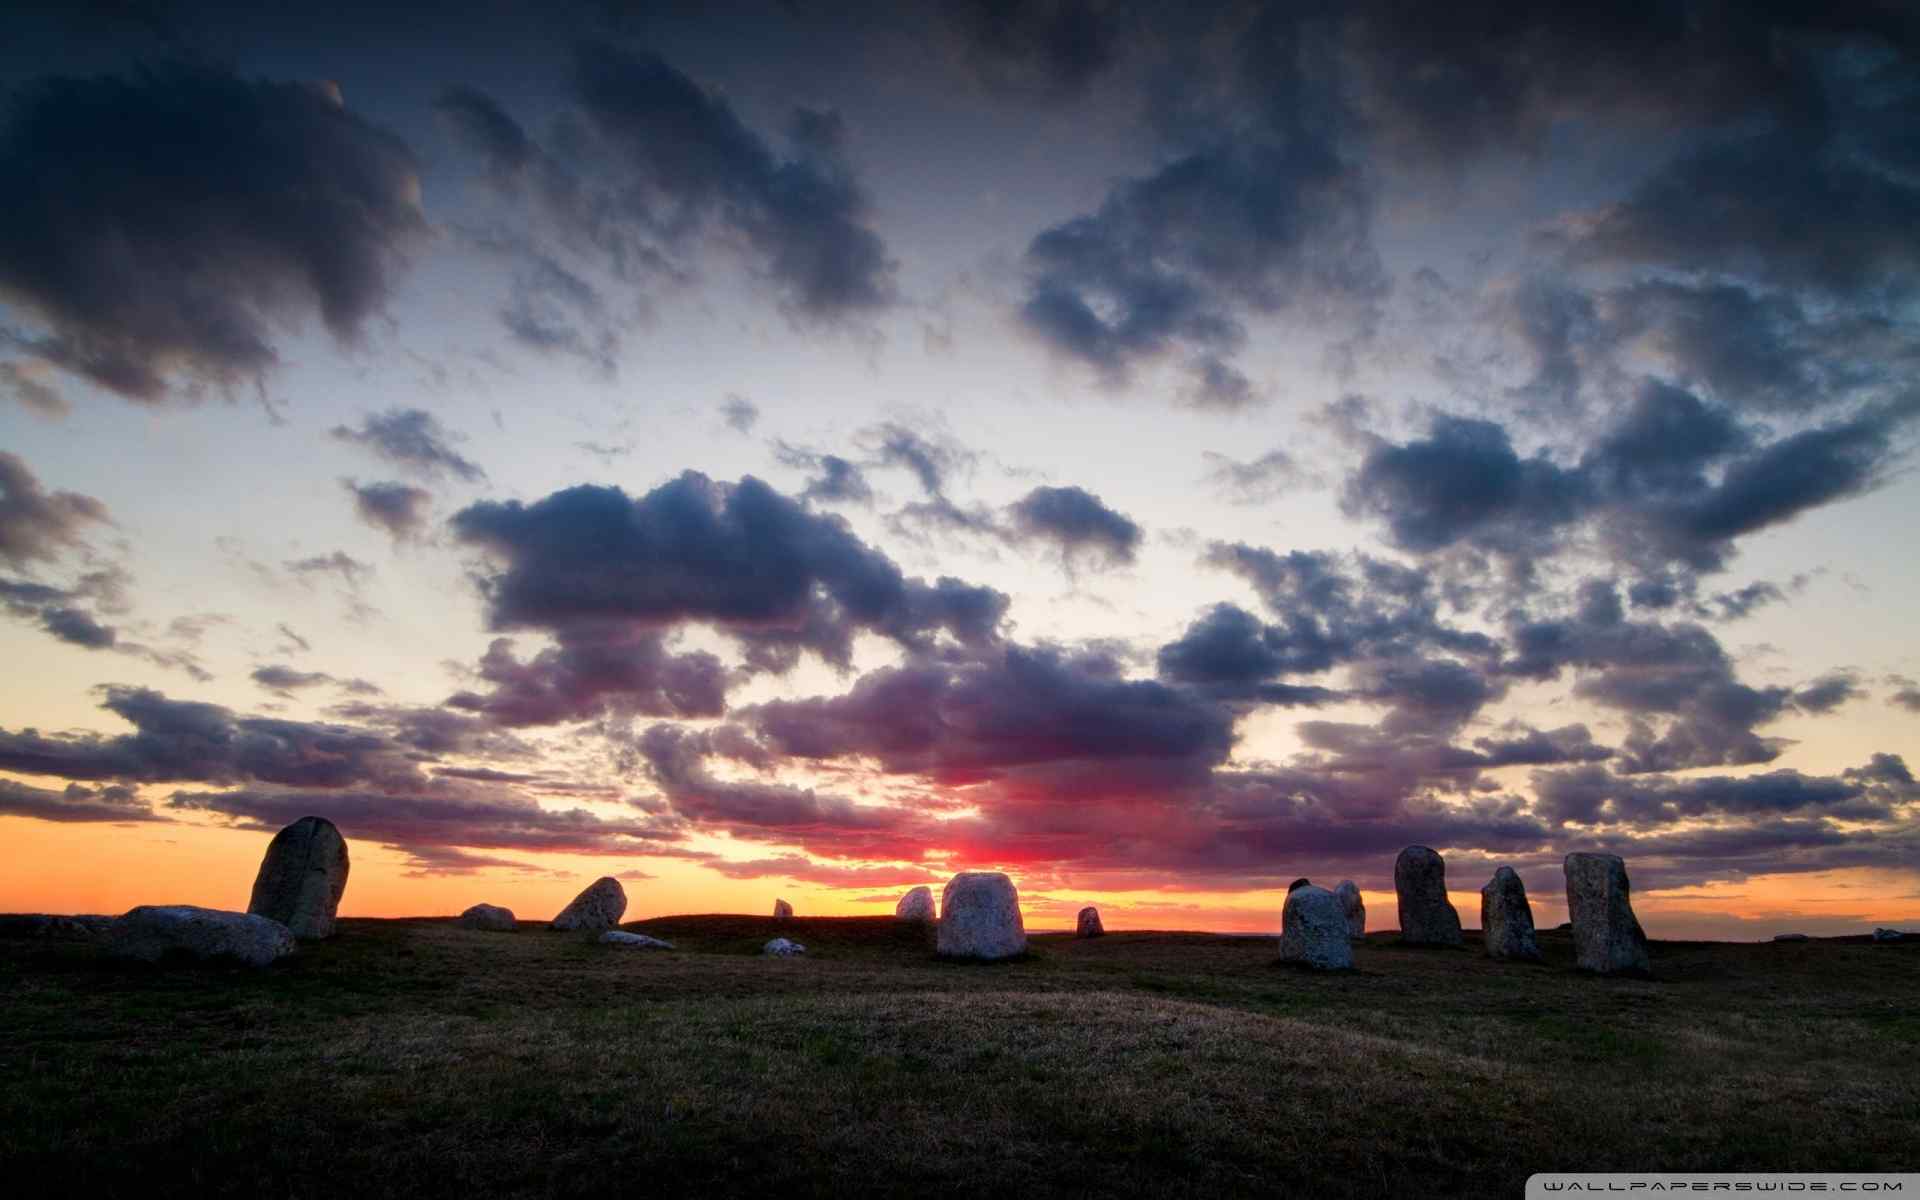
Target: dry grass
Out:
[414,1058]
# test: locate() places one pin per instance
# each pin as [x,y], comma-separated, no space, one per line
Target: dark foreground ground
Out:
[411,1058]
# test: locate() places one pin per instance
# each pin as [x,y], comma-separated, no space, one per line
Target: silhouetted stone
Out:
[1088,926]
[1427,917]
[1606,935]
[916,905]
[600,906]
[1891,935]
[302,878]
[633,941]
[153,932]
[1348,893]
[1791,937]
[782,910]
[489,917]
[1313,930]
[1301,882]
[1506,919]
[782,948]
[980,917]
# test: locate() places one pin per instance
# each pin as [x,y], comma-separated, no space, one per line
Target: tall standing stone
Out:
[916,905]
[1506,919]
[782,910]
[980,917]
[1606,935]
[1089,925]
[302,878]
[1427,917]
[1313,930]
[596,909]
[1348,893]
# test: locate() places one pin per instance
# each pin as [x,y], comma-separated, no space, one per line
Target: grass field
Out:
[412,1058]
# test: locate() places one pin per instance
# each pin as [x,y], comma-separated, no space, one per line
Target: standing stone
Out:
[980,917]
[599,907]
[1606,935]
[1506,919]
[1089,923]
[152,931]
[1348,894]
[1313,930]
[1297,884]
[916,905]
[489,917]
[1426,915]
[782,910]
[302,878]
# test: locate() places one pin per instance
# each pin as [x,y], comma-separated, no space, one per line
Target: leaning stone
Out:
[916,905]
[600,906]
[1427,917]
[1089,925]
[633,941]
[1607,938]
[302,878]
[782,910]
[980,917]
[1348,893]
[1313,930]
[1506,919]
[782,948]
[1301,882]
[490,918]
[151,932]
[1790,937]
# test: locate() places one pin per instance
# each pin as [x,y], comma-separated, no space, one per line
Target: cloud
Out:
[739,413]
[36,525]
[398,509]
[1059,44]
[838,481]
[412,438]
[182,214]
[1258,481]
[73,804]
[284,680]
[1077,524]
[350,569]
[594,671]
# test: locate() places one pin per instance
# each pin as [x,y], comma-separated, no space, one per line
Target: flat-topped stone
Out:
[1427,917]
[1607,938]
[980,917]
[156,932]
[633,941]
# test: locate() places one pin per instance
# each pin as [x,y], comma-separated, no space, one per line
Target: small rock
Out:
[633,941]
[1890,935]
[916,905]
[782,910]
[600,906]
[1427,917]
[1790,937]
[1088,926]
[980,917]
[1348,894]
[1506,919]
[1607,938]
[1313,930]
[302,877]
[782,948]
[490,918]
[151,932]
[1301,882]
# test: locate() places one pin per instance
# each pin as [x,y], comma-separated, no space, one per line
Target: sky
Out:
[808,450]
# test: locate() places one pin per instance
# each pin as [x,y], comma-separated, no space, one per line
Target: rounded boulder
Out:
[1313,930]
[489,918]
[980,917]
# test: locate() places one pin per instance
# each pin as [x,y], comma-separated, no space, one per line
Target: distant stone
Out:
[599,907]
[54,927]
[1089,923]
[980,917]
[916,905]
[1607,938]
[1506,919]
[302,878]
[154,932]
[1427,917]
[489,917]
[782,910]
[1348,893]
[633,941]
[1790,937]
[1313,930]
[1891,935]
[782,948]
[1297,884]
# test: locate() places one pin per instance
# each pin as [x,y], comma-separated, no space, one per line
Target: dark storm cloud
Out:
[398,509]
[1592,796]
[412,438]
[36,524]
[74,803]
[1229,654]
[698,166]
[595,671]
[740,556]
[1077,524]
[181,214]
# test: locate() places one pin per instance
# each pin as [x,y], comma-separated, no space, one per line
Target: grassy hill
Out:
[412,1058]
